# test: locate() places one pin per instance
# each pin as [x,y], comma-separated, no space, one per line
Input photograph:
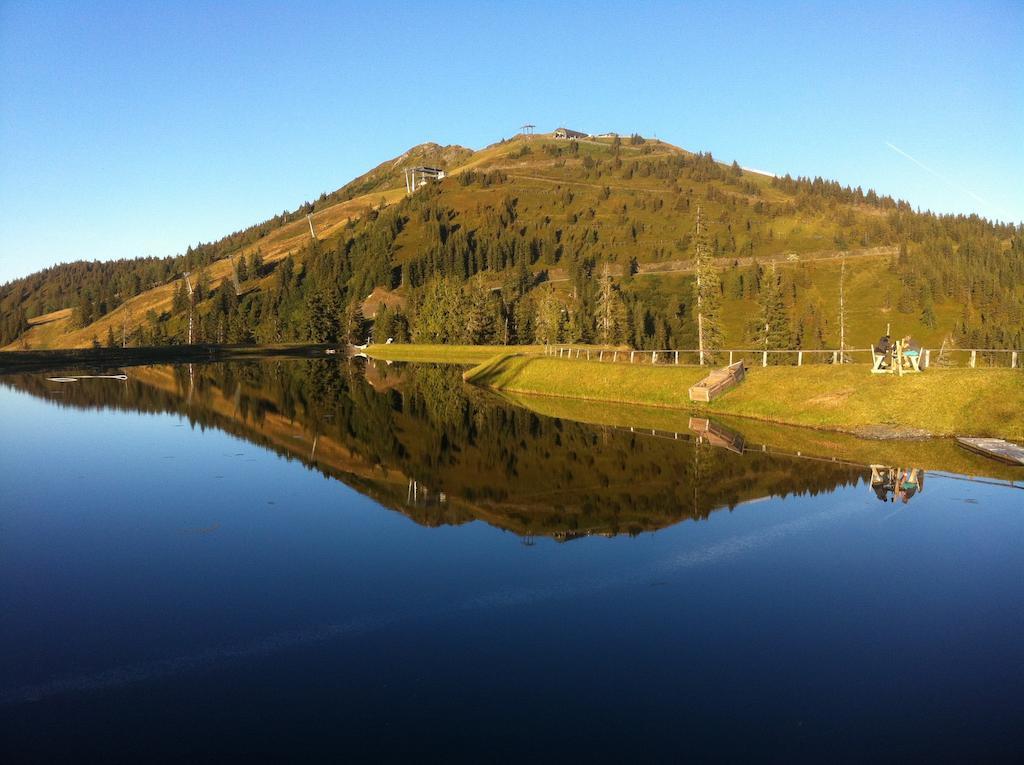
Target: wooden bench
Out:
[718,382]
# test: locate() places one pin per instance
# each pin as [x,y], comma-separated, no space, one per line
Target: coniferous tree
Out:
[611,310]
[772,330]
[354,325]
[550,318]
[707,294]
[480,319]
[322,318]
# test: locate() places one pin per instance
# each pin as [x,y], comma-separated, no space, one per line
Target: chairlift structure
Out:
[418,177]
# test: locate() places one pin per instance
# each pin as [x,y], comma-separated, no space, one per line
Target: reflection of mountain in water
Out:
[418,441]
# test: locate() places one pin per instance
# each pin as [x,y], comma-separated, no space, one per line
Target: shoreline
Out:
[43,360]
[938,403]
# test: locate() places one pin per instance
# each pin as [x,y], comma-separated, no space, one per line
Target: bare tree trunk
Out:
[842,313]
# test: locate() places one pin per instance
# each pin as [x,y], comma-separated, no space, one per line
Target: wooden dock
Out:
[718,382]
[996,448]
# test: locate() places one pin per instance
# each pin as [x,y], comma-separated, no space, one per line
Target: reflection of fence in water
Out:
[711,433]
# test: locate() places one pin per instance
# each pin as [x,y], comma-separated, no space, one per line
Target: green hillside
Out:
[540,240]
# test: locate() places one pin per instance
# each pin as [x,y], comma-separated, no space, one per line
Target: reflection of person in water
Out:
[883,481]
[889,483]
[910,482]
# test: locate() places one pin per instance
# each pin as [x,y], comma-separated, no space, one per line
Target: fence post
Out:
[588,354]
[677,358]
[654,358]
[631,357]
[1013,360]
[799,358]
[615,355]
[974,358]
[835,357]
[764,358]
[927,357]
[730,358]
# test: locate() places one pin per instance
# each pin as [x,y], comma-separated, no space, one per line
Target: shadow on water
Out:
[418,441]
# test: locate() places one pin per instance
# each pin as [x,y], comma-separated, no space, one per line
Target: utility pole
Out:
[124,327]
[697,268]
[191,305]
[842,312]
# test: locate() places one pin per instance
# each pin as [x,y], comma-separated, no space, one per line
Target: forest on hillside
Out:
[486,257]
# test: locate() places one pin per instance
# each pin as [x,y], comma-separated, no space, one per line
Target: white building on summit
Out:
[569,135]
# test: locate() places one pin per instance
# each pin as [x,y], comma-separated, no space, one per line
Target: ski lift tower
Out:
[418,177]
[527,129]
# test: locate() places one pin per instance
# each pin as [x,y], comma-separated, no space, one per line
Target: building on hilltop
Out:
[569,135]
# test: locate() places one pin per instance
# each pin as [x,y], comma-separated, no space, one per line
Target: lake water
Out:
[334,560]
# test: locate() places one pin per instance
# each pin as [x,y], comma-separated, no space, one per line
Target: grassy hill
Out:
[533,217]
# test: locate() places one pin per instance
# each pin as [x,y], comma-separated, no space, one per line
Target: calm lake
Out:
[349,560]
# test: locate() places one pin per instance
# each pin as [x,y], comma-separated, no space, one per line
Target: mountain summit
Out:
[526,240]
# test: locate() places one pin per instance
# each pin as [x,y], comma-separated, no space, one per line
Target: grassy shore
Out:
[938,402]
[929,454]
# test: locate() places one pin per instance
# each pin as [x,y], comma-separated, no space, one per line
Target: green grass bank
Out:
[938,402]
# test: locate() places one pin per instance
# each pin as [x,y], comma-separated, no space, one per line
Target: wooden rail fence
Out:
[989,357]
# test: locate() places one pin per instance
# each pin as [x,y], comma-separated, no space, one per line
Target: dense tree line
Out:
[484,273]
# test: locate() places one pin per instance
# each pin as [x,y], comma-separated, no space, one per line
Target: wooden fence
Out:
[971,357]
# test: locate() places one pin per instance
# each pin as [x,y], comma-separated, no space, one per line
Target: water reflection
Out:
[890,483]
[418,441]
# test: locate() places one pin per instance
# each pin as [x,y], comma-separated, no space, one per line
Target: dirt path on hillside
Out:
[686,266]
[598,186]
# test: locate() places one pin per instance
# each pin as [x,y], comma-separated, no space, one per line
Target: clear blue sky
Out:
[137,128]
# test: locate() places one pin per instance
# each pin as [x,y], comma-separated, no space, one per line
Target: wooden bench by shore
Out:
[718,382]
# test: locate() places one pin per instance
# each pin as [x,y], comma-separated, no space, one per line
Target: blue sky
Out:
[139,128]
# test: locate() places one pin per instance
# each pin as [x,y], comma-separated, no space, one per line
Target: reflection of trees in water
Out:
[378,427]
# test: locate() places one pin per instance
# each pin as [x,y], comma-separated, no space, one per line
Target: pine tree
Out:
[707,293]
[550,319]
[772,330]
[928,315]
[180,301]
[611,310]
[480,320]
[322,318]
[354,324]
[111,342]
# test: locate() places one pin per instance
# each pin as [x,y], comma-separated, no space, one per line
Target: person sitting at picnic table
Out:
[884,349]
[911,351]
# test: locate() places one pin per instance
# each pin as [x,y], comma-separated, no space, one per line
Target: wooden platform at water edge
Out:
[718,382]
[996,448]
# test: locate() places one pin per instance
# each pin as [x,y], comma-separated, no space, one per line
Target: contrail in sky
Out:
[941,177]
